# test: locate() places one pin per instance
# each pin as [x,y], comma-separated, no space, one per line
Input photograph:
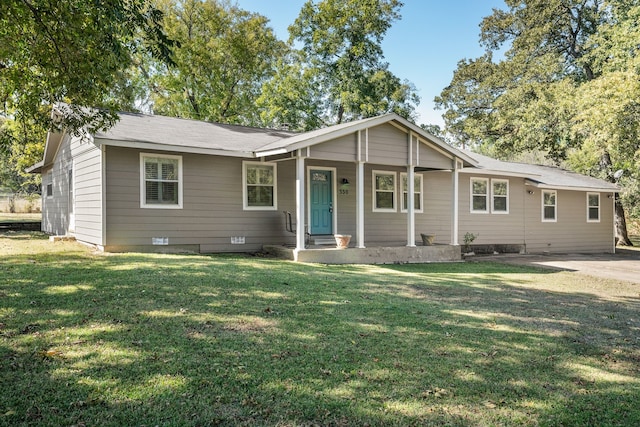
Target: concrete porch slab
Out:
[372,255]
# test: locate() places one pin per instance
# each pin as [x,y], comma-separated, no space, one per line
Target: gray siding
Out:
[55,212]
[438,206]
[87,191]
[523,224]
[571,233]
[388,145]
[212,210]
[492,228]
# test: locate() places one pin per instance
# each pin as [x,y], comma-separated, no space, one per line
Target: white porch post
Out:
[360,204]
[300,190]
[411,212]
[454,210]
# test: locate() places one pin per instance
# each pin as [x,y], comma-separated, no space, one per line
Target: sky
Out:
[423,46]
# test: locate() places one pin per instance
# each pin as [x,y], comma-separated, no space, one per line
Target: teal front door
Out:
[321,201]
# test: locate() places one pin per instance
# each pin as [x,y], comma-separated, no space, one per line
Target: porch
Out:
[369,255]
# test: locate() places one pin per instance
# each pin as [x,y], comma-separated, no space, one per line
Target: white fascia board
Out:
[478,171]
[171,148]
[268,153]
[571,188]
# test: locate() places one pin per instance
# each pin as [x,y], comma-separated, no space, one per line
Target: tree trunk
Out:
[622,238]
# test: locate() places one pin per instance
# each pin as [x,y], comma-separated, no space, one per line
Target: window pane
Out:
[385,182]
[169,193]
[549,199]
[265,175]
[150,169]
[549,212]
[259,195]
[416,201]
[479,203]
[500,188]
[479,187]
[169,169]
[384,200]
[152,191]
[594,214]
[252,175]
[594,200]
[500,204]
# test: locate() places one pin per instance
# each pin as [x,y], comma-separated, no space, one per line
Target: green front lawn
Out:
[20,217]
[137,339]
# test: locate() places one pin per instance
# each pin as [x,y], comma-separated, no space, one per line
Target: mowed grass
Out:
[162,340]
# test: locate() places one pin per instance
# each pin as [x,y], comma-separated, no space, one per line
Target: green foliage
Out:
[565,83]
[71,51]
[342,61]
[193,340]
[225,56]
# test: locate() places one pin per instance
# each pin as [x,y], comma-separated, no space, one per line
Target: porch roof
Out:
[308,139]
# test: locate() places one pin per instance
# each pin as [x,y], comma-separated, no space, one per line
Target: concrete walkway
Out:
[624,265]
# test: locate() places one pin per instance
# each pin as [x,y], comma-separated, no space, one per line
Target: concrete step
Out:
[323,240]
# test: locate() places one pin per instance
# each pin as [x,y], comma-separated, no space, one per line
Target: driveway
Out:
[624,265]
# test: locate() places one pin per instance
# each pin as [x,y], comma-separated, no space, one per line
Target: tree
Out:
[342,56]
[225,55]
[72,51]
[546,90]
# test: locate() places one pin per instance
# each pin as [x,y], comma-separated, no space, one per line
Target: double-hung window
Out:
[384,191]
[500,196]
[417,192]
[593,207]
[549,206]
[479,195]
[259,186]
[160,181]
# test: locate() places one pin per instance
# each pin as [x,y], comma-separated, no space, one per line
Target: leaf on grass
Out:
[51,354]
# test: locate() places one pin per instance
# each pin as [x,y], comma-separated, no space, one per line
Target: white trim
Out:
[478,171]
[569,188]
[374,190]
[555,218]
[143,198]
[175,148]
[588,207]
[300,214]
[360,203]
[493,211]
[334,198]
[487,196]
[404,208]
[245,205]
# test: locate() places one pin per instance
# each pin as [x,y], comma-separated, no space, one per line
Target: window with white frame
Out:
[549,205]
[593,207]
[500,196]
[259,185]
[417,192]
[161,181]
[479,195]
[384,191]
[49,188]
